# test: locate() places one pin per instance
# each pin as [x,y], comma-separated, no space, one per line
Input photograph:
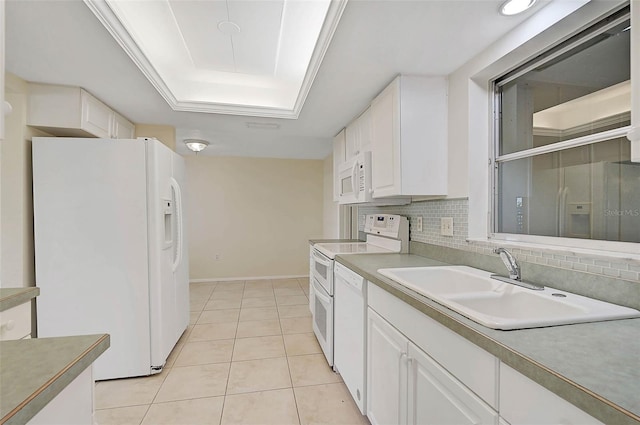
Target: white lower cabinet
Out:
[386,372]
[406,386]
[437,397]
[524,402]
[15,323]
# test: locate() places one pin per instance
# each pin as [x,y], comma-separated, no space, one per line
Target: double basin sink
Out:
[502,305]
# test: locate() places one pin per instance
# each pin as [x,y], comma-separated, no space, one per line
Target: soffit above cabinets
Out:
[240,57]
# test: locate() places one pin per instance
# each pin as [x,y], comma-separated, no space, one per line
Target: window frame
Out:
[615,17]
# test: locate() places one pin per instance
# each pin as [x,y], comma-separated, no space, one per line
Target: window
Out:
[562,164]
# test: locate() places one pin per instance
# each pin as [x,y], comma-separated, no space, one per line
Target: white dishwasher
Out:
[350,310]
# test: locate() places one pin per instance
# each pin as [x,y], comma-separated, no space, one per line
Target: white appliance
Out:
[386,233]
[583,201]
[354,180]
[350,336]
[110,247]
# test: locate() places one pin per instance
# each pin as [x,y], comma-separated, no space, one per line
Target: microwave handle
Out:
[354,184]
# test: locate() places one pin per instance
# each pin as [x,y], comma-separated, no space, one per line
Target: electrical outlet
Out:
[419,224]
[218,257]
[446,226]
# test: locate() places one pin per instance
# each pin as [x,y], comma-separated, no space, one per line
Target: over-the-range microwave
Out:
[354,180]
[355,183]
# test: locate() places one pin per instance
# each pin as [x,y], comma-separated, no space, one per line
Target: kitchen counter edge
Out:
[68,356]
[11,297]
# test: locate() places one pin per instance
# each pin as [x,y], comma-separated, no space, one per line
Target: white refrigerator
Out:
[110,247]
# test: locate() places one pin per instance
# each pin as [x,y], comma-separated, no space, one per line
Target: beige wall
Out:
[252,217]
[165,133]
[17,268]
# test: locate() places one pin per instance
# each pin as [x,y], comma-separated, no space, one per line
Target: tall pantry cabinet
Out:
[409,138]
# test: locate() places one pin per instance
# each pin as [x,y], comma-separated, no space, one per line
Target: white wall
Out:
[252,217]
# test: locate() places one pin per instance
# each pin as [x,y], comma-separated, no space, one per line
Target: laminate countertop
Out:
[11,297]
[595,366]
[34,371]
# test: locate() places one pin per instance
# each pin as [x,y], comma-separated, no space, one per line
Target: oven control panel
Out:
[389,225]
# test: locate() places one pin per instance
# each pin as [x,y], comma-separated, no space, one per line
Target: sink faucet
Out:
[514,271]
[509,261]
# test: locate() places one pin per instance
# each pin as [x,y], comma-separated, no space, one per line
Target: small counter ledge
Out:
[34,371]
[594,366]
[11,297]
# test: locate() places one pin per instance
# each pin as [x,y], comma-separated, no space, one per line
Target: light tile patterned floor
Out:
[249,357]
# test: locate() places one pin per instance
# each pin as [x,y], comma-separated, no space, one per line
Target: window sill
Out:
[609,255]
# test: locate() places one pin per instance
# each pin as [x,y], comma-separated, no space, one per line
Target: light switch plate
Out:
[446,226]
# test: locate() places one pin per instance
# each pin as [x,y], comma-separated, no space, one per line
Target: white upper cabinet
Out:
[409,138]
[339,149]
[73,112]
[358,135]
[122,128]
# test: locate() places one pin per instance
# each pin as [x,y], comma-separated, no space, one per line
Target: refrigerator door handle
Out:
[558,225]
[179,230]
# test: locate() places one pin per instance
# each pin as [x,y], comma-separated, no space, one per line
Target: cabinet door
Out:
[437,397]
[352,140]
[96,116]
[364,129]
[386,373]
[122,128]
[15,323]
[385,143]
[338,158]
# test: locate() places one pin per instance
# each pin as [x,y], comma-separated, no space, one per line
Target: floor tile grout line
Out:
[293,391]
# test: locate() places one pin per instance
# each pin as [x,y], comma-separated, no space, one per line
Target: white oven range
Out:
[386,233]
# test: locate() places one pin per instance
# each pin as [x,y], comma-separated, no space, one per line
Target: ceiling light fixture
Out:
[513,7]
[196,145]
[229,28]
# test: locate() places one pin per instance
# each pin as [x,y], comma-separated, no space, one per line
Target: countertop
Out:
[11,297]
[595,366]
[34,371]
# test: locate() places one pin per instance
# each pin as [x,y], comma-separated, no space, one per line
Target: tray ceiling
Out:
[241,57]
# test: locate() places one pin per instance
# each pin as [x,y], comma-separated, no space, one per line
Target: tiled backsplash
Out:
[432,211]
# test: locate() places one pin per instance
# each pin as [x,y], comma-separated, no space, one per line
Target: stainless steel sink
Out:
[500,305]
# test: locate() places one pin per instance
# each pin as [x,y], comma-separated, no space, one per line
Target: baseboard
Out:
[229,279]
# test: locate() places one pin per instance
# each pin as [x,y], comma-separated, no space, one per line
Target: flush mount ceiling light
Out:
[241,57]
[513,7]
[196,145]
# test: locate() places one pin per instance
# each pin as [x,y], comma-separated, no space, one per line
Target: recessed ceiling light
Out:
[513,7]
[229,28]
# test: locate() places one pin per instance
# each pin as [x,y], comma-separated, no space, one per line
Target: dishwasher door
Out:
[349,352]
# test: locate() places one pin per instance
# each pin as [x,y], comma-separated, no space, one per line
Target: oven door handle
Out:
[318,292]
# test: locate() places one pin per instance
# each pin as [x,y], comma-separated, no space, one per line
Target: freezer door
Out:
[90,217]
[168,295]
